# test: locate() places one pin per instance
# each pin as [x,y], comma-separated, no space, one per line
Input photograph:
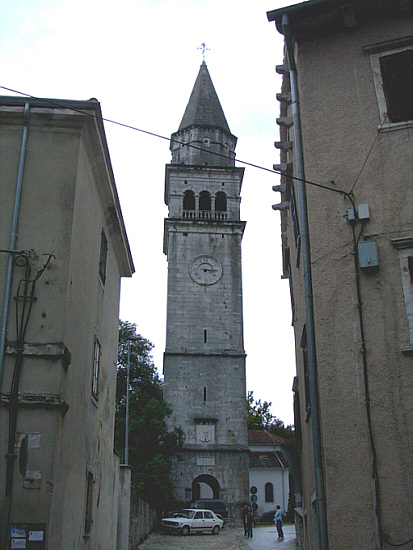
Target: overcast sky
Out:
[140,59]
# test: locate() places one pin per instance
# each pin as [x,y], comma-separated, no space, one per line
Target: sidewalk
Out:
[265,538]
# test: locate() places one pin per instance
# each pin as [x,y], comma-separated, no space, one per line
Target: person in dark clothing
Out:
[244,513]
[250,523]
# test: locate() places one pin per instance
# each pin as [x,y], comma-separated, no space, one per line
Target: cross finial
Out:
[204,49]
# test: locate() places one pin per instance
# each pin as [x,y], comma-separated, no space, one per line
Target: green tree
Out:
[259,417]
[151,445]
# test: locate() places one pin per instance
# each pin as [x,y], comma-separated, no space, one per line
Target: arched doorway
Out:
[205,486]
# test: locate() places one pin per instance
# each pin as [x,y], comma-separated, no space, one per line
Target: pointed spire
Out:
[204,108]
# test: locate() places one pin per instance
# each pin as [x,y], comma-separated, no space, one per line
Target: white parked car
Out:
[192,521]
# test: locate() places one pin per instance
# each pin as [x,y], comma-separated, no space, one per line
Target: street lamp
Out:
[131,339]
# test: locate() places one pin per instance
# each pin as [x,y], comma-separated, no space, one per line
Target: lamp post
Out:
[127,408]
[131,339]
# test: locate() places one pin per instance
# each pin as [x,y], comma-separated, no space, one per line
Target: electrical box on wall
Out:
[368,257]
[363,212]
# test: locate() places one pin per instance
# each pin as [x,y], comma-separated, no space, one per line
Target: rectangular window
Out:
[89,503]
[392,65]
[294,216]
[404,248]
[397,76]
[103,257]
[305,367]
[290,281]
[96,367]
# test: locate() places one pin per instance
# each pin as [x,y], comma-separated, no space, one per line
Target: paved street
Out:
[265,538]
[230,538]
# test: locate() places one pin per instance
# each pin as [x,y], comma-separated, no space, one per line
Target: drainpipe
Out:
[308,288]
[13,239]
[7,288]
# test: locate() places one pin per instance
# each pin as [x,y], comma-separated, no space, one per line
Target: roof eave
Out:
[315,16]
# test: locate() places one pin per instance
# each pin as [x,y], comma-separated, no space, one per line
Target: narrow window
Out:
[294,215]
[103,257]
[220,202]
[305,367]
[89,503]
[404,248]
[189,200]
[205,336]
[397,75]
[96,367]
[205,396]
[289,275]
[205,201]
[269,492]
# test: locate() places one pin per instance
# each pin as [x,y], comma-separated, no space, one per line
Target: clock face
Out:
[205,270]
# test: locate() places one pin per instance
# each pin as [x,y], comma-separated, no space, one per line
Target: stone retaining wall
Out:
[142,521]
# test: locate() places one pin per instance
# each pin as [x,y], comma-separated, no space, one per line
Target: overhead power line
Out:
[147,132]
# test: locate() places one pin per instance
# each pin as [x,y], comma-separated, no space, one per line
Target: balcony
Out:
[204,215]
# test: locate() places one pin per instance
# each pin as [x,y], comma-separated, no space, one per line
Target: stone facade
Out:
[65,388]
[204,363]
[360,234]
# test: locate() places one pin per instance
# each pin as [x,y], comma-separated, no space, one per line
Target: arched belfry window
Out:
[204,201]
[220,202]
[269,492]
[189,200]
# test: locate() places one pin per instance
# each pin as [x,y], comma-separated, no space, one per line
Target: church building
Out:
[204,361]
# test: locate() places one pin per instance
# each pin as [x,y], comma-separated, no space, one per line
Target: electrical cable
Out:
[368,154]
[398,544]
[147,132]
[375,472]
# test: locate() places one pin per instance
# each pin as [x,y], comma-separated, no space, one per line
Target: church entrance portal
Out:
[205,486]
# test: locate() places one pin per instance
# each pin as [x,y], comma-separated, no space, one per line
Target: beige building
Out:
[347,240]
[63,252]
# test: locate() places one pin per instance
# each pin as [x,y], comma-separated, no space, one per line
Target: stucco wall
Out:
[63,213]
[344,150]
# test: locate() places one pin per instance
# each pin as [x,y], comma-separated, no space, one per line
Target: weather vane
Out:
[204,49]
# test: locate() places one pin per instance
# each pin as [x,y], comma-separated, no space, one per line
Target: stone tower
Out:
[204,362]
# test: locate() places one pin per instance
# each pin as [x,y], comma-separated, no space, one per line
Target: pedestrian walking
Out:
[278,520]
[244,513]
[250,523]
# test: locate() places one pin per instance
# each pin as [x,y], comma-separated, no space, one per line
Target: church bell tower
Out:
[204,361]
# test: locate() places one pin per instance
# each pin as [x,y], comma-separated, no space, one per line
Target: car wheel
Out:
[215,530]
[185,530]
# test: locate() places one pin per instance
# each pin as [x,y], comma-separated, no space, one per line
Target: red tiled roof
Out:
[262,437]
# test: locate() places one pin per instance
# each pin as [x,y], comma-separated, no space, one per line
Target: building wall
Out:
[62,212]
[259,477]
[344,150]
